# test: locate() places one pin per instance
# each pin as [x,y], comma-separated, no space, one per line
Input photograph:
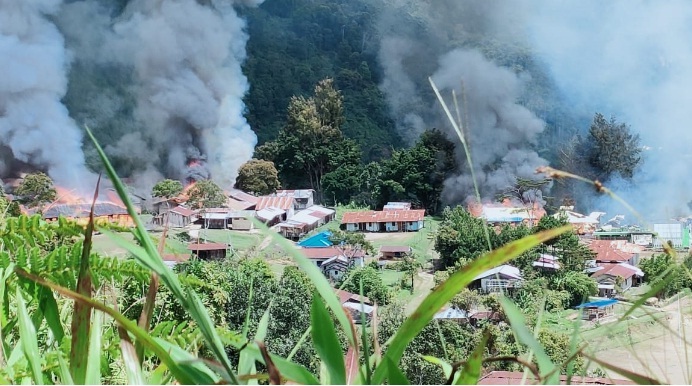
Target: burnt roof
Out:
[82,210]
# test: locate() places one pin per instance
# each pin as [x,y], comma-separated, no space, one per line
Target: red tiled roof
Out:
[284,203]
[329,252]
[183,211]
[606,252]
[383,216]
[515,378]
[612,269]
[206,246]
[395,248]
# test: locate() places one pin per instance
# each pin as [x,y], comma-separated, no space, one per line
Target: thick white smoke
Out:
[187,58]
[34,124]
[419,39]
[499,130]
[632,59]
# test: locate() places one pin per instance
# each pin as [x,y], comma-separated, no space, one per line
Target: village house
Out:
[546,262]
[209,251]
[241,220]
[335,261]
[179,217]
[161,205]
[305,221]
[507,213]
[613,276]
[502,278]
[303,198]
[397,206]
[597,310]
[359,306]
[453,314]
[582,224]
[389,252]
[615,251]
[215,218]
[319,240]
[272,210]
[171,260]
[104,212]
[239,200]
[384,221]
[676,233]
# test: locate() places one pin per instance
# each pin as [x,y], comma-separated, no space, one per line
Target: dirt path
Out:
[662,353]
[423,284]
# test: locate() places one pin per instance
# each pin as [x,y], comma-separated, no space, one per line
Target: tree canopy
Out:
[36,189]
[258,177]
[167,188]
[206,194]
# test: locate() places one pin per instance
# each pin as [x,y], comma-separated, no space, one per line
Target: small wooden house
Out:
[209,251]
[389,252]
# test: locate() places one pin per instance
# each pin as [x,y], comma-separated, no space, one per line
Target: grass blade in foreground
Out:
[152,260]
[639,379]
[183,375]
[472,368]
[444,292]
[93,367]
[318,279]
[81,318]
[524,336]
[27,335]
[327,343]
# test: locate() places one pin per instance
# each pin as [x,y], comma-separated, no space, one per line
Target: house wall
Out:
[177,220]
[351,227]
[372,226]
[414,225]
[392,227]
[241,224]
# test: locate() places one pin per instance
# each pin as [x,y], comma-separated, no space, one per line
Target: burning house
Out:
[104,212]
[507,213]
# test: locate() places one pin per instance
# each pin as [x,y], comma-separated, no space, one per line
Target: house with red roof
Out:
[384,221]
[613,276]
[615,267]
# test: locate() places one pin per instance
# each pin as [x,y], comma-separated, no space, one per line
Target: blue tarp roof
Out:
[320,240]
[598,303]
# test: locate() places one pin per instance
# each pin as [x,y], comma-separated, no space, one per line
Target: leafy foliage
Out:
[167,188]
[259,177]
[36,189]
[663,270]
[373,286]
[206,194]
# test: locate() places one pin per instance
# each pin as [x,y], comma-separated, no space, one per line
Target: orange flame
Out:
[67,196]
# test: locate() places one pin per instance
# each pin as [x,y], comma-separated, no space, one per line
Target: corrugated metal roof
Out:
[269,213]
[239,195]
[506,270]
[329,252]
[622,270]
[83,210]
[206,246]
[183,211]
[383,216]
[284,203]
[395,248]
